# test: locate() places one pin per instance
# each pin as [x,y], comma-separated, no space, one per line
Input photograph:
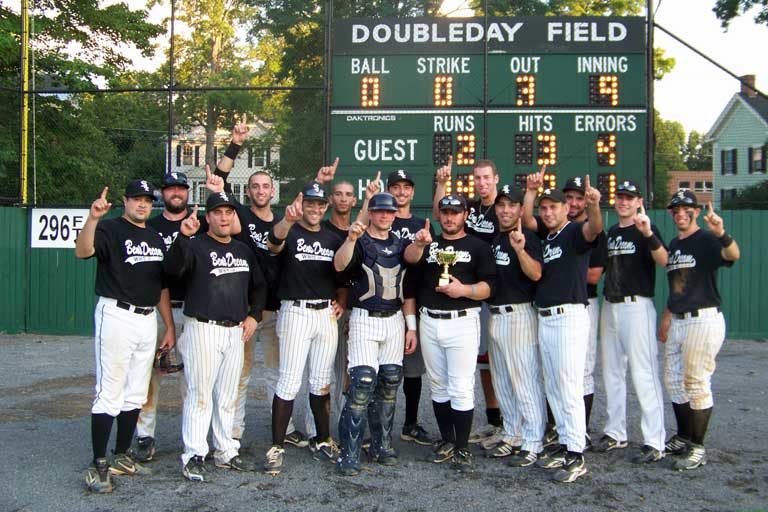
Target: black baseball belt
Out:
[695,313]
[220,323]
[507,308]
[380,314]
[446,315]
[618,299]
[134,309]
[312,305]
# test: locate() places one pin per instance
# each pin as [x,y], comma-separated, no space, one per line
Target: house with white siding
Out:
[739,142]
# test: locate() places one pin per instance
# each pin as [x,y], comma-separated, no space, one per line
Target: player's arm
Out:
[415,250]
[84,245]
[327,172]
[279,232]
[347,250]
[532,184]
[528,264]
[486,277]
[411,336]
[164,308]
[593,274]
[227,161]
[666,322]
[341,302]
[730,250]
[594,226]
[371,189]
[257,298]
[180,258]
[658,251]
[442,175]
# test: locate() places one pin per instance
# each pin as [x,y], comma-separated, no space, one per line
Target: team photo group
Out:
[349,308]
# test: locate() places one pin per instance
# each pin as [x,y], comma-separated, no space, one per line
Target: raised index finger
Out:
[335,164]
[194,212]
[520,224]
[642,209]
[427,224]
[709,205]
[586,181]
[104,193]
[207,171]
[450,161]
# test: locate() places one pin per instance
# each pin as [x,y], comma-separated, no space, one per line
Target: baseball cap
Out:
[510,192]
[576,183]
[453,203]
[315,191]
[172,179]
[139,188]
[628,188]
[399,175]
[383,201]
[684,198]
[219,199]
[552,194]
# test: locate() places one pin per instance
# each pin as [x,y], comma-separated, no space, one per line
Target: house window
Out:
[728,162]
[684,185]
[702,186]
[237,191]
[757,159]
[257,157]
[727,193]
[186,154]
[202,193]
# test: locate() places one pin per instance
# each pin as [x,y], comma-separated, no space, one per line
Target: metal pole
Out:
[169,150]
[650,142]
[327,80]
[24,105]
[485,81]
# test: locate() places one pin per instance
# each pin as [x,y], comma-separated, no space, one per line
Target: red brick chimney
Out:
[748,85]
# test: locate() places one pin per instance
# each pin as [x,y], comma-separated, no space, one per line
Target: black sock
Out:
[588,399]
[126,426]
[444,420]
[101,427]
[281,415]
[550,416]
[462,423]
[412,392]
[699,423]
[494,416]
[682,415]
[321,410]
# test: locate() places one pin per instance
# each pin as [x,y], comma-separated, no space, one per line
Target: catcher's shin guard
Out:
[353,416]
[381,413]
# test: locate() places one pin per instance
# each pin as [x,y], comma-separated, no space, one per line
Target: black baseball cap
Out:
[399,175]
[684,198]
[576,183]
[511,192]
[628,188]
[453,203]
[172,179]
[139,188]
[552,194]
[219,199]
[315,191]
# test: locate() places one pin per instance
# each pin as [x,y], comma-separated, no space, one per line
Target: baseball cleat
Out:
[145,449]
[587,443]
[442,452]
[522,459]
[483,433]
[415,433]
[97,477]
[550,436]
[490,442]
[552,460]
[297,439]
[462,461]
[273,462]
[676,445]
[574,468]
[647,454]
[695,457]
[325,450]
[195,470]
[123,464]
[237,463]
[503,449]
[607,443]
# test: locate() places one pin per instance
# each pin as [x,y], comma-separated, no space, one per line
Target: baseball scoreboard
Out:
[562,91]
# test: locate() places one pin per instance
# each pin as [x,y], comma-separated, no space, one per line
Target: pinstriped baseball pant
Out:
[375,341]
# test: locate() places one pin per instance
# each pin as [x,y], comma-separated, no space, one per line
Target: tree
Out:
[669,146]
[754,197]
[726,10]
[697,153]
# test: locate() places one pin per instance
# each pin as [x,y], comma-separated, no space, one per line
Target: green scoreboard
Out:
[566,92]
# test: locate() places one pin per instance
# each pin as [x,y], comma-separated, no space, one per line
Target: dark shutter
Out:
[215,153]
[763,160]
[197,156]
[178,155]
[250,157]
[750,164]
[722,161]
[268,159]
[735,167]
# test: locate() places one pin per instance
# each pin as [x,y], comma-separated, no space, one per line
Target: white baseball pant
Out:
[593,308]
[124,345]
[213,360]
[147,422]
[374,341]
[690,352]
[513,350]
[305,333]
[628,336]
[563,340]
[450,348]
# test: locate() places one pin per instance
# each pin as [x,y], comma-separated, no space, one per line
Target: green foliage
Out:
[726,10]
[754,197]
[669,147]
[697,153]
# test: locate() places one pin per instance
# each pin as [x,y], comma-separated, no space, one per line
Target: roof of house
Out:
[757,104]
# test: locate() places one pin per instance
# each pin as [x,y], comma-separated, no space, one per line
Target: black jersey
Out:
[474,263]
[253,233]
[482,221]
[630,269]
[597,258]
[307,270]
[566,258]
[692,272]
[224,281]
[169,230]
[129,262]
[341,233]
[406,229]
[512,285]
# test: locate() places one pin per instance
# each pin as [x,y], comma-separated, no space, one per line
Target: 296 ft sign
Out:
[56,228]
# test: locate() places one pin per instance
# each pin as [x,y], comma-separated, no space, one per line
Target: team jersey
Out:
[482,221]
[407,228]
[169,230]
[377,270]
[597,258]
[564,274]
[630,269]
[474,263]
[224,281]
[307,270]
[692,272]
[129,262]
[512,285]
[341,233]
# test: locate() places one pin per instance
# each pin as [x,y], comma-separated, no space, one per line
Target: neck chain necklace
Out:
[552,236]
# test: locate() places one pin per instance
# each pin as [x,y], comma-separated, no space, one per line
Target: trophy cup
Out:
[446,258]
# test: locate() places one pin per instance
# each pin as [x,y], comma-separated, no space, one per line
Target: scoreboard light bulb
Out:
[611,201]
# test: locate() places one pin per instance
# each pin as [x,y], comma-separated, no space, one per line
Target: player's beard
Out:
[172,208]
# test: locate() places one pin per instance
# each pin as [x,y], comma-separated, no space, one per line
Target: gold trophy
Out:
[446,258]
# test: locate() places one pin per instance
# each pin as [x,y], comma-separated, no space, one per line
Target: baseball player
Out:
[405,226]
[561,297]
[513,347]
[226,292]
[482,223]
[175,194]
[450,324]
[306,324]
[373,258]
[693,327]
[129,283]
[628,326]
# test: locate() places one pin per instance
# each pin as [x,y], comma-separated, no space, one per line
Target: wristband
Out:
[725,240]
[232,150]
[471,291]
[221,174]
[653,242]
[272,238]
[410,322]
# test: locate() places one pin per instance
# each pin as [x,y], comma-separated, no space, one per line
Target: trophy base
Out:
[443,281]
